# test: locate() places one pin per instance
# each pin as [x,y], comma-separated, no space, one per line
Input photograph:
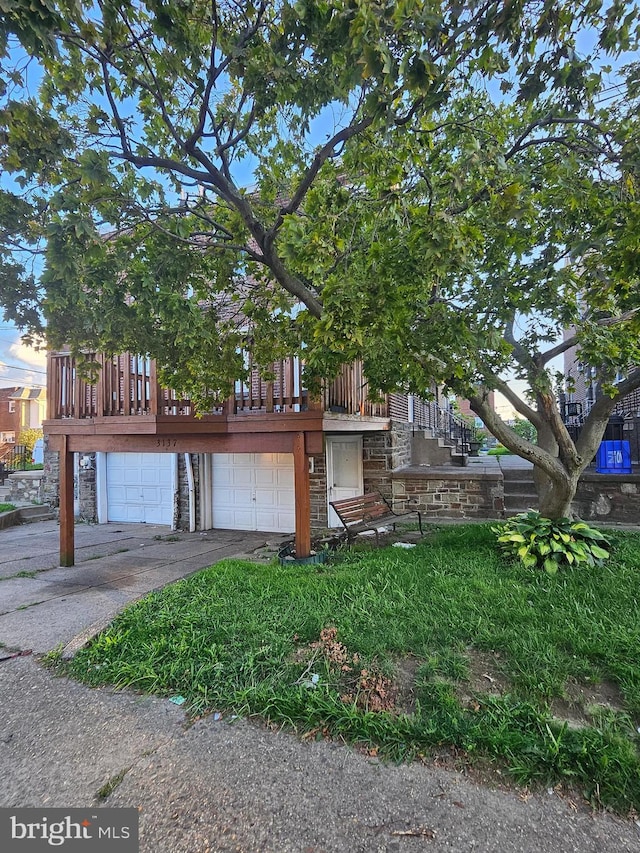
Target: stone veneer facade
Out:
[608,497]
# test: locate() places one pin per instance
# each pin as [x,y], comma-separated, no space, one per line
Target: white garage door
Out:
[140,487]
[253,491]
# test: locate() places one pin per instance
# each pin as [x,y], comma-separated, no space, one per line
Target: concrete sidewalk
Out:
[222,785]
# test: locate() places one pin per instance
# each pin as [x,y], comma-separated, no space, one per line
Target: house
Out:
[582,387]
[20,408]
[270,457]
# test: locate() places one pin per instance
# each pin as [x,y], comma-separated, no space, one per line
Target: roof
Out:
[27,394]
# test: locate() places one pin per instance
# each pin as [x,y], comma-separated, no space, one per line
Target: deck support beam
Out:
[67,520]
[302,496]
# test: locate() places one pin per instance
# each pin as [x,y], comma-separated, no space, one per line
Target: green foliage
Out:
[543,543]
[431,221]
[525,429]
[6,507]
[239,638]
[28,438]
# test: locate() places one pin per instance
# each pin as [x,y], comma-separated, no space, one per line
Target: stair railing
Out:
[446,425]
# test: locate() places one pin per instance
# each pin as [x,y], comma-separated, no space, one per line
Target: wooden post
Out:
[302,496]
[66,505]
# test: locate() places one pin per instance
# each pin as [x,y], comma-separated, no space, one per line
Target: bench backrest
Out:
[361,508]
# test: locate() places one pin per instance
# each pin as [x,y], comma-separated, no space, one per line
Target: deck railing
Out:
[127,385]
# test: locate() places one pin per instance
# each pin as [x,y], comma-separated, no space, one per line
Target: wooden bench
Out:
[369,512]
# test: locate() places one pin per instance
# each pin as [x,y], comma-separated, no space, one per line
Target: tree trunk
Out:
[556,495]
[555,478]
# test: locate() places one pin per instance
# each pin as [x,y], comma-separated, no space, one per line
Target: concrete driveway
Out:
[222,785]
[43,605]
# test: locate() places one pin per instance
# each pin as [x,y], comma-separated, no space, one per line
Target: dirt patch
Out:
[366,687]
[486,676]
[583,702]
[406,670]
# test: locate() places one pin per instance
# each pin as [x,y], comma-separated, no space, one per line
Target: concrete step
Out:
[426,450]
[516,487]
[529,498]
[518,503]
[36,512]
[522,475]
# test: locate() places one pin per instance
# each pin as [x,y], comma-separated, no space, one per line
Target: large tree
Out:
[486,245]
[394,214]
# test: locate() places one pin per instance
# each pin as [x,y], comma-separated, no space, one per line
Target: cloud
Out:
[20,365]
[28,355]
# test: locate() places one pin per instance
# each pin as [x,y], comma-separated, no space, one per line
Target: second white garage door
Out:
[253,491]
[139,487]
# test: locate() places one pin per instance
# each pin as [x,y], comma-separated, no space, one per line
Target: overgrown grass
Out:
[6,507]
[247,637]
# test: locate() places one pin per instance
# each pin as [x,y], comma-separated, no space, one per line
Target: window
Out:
[12,406]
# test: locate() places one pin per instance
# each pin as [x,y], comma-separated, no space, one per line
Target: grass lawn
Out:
[442,647]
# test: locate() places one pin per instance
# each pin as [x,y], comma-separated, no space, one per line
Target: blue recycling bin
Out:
[614,457]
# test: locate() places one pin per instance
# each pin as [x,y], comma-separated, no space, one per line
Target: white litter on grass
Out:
[373,532]
[404,545]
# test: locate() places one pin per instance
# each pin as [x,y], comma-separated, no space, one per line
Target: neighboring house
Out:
[269,458]
[20,408]
[581,390]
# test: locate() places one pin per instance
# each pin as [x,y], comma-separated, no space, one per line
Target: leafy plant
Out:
[29,437]
[551,544]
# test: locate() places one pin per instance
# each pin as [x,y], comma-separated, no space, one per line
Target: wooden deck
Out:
[125,408]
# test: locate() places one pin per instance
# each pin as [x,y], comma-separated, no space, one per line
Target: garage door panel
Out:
[253,491]
[140,487]
[275,498]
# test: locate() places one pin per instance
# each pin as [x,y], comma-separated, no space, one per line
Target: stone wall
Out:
[377,463]
[401,444]
[444,494]
[181,499]
[51,480]
[26,487]
[87,489]
[606,497]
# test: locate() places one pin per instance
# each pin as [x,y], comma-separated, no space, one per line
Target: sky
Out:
[20,365]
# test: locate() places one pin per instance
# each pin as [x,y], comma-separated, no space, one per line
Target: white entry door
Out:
[254,491]
[344,471]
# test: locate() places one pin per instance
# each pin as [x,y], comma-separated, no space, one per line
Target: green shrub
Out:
[551,544]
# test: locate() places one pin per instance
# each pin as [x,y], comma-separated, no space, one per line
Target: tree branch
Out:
[318,161]
[517,402]
[574,340]
[548,463]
